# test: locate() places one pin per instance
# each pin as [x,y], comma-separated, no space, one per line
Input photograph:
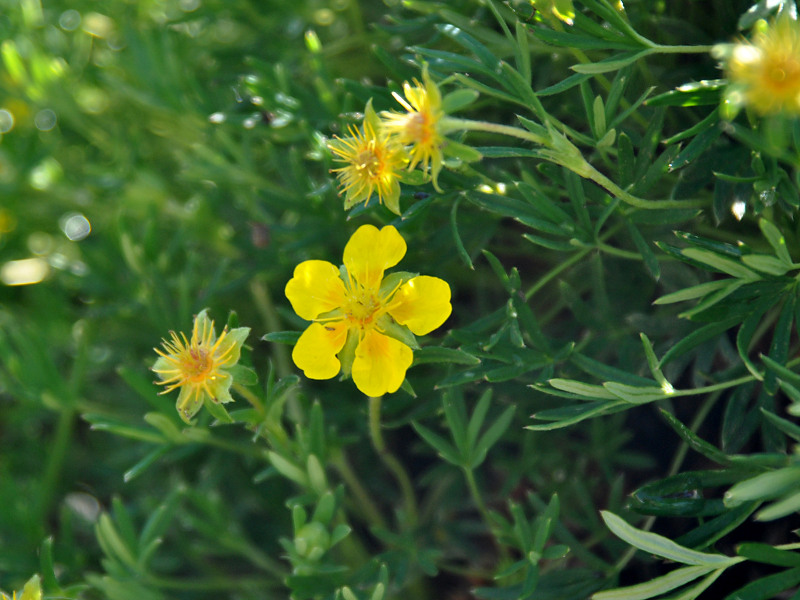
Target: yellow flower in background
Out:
[363,324]
[765,74]
[200,367]
[420,127]
[372,160]
[31,591]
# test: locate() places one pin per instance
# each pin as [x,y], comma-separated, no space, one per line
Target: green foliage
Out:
[612,401]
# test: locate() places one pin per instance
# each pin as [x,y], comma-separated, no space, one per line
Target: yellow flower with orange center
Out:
[363,324]
[420,127]
[372,160]
[765,74]
[200,366]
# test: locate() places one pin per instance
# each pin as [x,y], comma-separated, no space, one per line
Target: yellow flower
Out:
[200,367]
[363,323]
[765,74]
[31,591]
[372,160]
[421,125]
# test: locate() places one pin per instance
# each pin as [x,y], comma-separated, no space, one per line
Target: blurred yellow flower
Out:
[765,74]
[363,324]
[420,127]
[200,367]
[372,160]
[31,591]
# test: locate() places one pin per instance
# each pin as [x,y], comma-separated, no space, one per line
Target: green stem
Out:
[453,124]
[394,465]
[556,271]
[369,510]
[55,460]
[248,395]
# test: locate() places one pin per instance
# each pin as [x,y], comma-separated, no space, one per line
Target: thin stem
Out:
[394,465]
[451,123]
[248,395]
[367,507]
[556,271]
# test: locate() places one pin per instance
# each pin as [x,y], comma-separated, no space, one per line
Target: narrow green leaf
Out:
[775,239]
[764,486]
[779,509]
[648,256]
[655,587]
[491,436]
[766,264]
[442,446]
[696,590]
[462,251]
[653,543]
[579,388]
[694,441]
[652,362]
[767,588]
[695,148]
[610,64]
[637,395]
[697,337]
[478,417]
[764,553]
[570,415]
[779,347]
[436,354]
[282,337]
[458,99]
[720,263]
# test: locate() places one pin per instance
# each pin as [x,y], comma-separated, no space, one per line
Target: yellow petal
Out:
[380,364]
[422,304]
[315,352]
[371,251]
[316,288]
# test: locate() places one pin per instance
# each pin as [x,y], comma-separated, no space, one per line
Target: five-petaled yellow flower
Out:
[363,323]
[200,367]
[765,74]
[420,127]
[31,591]
[373,160]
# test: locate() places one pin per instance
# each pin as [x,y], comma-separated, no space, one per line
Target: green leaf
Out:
[767,588]
[697,337]
[649,258]
[442,446]
[779,509]
[610,64]
[776,240]
[720,263]
[655,587]
[764,486]
[436,354]
[690,293]
[694,441]
[637,395]
[491,436]
[766,264]
[283,337]
[458,99]
[764,553]
[570,415]
[695,148]
[579,388]
[653,543]
[700,93]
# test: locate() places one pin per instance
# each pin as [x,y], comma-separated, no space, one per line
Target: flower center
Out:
[197,364]
[369,162]
[361,307]
[783,73]
[418,128]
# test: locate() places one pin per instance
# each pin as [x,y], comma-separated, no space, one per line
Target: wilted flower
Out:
[420,127]
[200,367]
[364,323]
[765,74]
[373,160]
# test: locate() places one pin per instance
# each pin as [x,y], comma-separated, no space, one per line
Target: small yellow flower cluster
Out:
[765,74]
[375,155]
